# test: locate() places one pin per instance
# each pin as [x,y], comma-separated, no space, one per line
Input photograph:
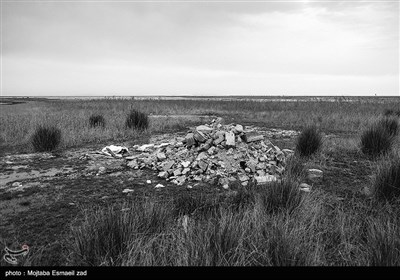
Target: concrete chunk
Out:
[252,137]
[230,138]
[265,179]
[167,165]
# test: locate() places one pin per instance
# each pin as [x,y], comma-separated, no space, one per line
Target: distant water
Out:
[361,99]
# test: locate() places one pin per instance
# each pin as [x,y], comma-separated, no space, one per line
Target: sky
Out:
[54,48]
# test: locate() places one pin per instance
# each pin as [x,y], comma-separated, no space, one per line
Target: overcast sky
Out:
[200,48]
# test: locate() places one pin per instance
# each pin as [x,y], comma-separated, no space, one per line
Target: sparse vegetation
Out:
[97,121]
[376,140]
[309,141]
[387,180]
[150,233]
[46,138]
[334,224]
[137,120]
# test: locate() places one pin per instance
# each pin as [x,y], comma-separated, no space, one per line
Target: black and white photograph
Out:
[198,134]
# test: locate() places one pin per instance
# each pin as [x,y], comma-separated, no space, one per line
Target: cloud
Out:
[103,47]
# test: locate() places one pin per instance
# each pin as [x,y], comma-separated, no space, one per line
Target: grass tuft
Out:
[308,142]
[46,139]
[97,121]
[376,140]
[387,181]
[137,120]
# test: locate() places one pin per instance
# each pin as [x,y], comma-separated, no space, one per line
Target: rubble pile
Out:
[214,153]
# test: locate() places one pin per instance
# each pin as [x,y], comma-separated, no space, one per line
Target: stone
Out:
[177,172]
[203,165]
[230,138]
[252,164]
[219,140]
[167,165]
[163,174]
[185,171]
[315,175]
[131,157]
[265,179]
[304,187]
[197,178]
[180,180]
[238,128]
[161,156]
[261,173]
[185,164]
[201,156]
[204,128]
[252,137]
[212,150]
[243,178]
[159,186]
[199,136]
[16,184]
[261,166]
[189,140]
[179,144]
[148,181]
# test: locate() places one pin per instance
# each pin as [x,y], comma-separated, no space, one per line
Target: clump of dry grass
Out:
[376,140]
[97,121]
[309,141]
[46,138]
[137,120]
[387,179]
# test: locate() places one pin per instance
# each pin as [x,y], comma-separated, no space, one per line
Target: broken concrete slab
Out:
[167,165]
[252,137]
[230,138]
[265,179]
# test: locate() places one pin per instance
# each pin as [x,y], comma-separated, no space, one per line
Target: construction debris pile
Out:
[214,153]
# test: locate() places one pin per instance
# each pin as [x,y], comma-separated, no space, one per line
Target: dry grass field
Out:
[70,216]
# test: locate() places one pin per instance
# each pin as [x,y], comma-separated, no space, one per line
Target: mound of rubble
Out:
[214,153]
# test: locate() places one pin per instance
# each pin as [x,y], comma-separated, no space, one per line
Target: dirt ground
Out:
[43,194]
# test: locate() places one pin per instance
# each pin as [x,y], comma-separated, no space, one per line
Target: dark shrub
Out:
[96,121]
[137,120]
[376,140]
[387,181]
[389,112]
[309,141]
[391,125]
[46,139]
